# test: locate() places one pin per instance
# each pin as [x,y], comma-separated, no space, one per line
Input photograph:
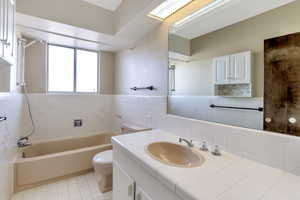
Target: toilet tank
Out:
[130,128]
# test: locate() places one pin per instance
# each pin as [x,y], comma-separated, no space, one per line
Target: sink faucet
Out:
[189,143]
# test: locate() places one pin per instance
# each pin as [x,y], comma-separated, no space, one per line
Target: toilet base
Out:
[105,183]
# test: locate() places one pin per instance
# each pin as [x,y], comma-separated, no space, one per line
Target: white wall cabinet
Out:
[233,69]
[221,69]
[7,31]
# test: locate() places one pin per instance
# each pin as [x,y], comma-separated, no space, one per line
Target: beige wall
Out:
[107,62]
[4,77]
[179,45]
[144,65]
[193,78]
[70,12]
[243,36]
[147,62]
[36,70]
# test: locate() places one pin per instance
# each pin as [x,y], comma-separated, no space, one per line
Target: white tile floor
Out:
[82,187]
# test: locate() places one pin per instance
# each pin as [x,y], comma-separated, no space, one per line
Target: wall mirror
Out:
[237,74]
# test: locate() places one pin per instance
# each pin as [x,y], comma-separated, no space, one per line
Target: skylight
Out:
[167,8]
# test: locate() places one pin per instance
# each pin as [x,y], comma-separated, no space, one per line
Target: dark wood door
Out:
[282,84]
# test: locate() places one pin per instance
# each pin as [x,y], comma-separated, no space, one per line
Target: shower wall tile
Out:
[11,106]
[54,114]
[276,150]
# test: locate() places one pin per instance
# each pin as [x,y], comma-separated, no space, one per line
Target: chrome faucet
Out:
[189,143]
[23,142]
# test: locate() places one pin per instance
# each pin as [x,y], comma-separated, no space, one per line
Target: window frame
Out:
[75,70]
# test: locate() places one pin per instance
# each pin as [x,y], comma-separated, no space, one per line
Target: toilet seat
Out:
[104,157]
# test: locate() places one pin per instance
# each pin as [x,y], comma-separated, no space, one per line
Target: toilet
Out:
[102,161]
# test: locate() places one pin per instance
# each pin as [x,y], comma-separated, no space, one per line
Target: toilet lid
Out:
[103,157]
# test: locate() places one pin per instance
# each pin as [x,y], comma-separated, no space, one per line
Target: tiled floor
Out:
[82,187]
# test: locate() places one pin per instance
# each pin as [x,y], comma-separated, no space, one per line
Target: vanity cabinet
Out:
[125,187]
[132,181]
[141,195]
[123,184]
[7,31]
[233,69]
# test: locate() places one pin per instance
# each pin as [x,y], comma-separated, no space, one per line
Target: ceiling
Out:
[107,4]
[230,13]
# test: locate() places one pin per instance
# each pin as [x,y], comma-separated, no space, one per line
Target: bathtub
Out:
[45,162]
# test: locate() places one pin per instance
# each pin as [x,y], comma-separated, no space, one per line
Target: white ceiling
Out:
[232,12]
[107,4]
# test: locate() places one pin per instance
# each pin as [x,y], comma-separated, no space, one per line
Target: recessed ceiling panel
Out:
[107,4]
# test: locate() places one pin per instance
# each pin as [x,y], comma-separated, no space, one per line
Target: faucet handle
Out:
[216,151]
[203,146]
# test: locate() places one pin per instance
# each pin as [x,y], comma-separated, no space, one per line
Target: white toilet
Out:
[102,161]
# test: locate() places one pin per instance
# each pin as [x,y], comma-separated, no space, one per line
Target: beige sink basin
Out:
[175,154]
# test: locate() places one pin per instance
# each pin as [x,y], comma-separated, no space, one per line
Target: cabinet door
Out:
[141,195]
[2,26]
[9,45]
[221,70]
[123,185]
[240,68]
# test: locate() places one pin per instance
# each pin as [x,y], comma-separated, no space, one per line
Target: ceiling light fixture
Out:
[167,8]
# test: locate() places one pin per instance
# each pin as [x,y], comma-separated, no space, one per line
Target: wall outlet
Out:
[77,123]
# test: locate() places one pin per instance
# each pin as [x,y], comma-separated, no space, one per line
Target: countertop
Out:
[228,177]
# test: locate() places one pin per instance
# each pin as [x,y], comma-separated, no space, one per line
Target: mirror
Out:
[222,75]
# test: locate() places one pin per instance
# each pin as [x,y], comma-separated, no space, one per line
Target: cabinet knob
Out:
[292,120]
[268,120]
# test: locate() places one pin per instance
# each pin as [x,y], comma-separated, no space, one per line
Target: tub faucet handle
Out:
[23,142]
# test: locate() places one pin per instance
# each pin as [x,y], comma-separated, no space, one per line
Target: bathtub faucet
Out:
[23,142]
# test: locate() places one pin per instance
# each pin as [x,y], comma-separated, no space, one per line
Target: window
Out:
[72,70]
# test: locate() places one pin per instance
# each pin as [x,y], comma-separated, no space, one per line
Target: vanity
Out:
[139,175]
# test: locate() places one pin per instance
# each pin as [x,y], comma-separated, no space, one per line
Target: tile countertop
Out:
[228,177]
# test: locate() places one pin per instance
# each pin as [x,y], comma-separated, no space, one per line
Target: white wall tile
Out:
[12,106]
[54,114]
[276,150]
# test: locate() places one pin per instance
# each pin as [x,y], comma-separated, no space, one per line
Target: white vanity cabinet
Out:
[233,69]
[7,31]
[125,187]
[141,195]
[132,181]
[123,184]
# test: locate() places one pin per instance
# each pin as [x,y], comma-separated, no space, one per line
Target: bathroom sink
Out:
[175,154]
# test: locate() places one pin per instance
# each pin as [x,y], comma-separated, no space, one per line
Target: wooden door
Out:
[123,185]
[282,84]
